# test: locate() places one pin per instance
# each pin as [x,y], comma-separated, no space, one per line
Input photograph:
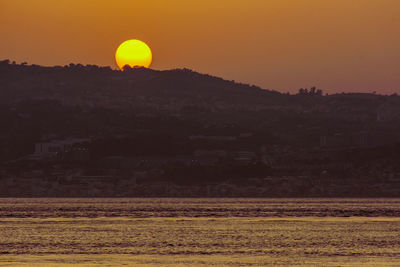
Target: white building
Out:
[57,146]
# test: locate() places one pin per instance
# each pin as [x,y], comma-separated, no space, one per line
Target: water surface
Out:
[199,232]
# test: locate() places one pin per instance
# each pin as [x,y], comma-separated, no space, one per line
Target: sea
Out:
[199,232]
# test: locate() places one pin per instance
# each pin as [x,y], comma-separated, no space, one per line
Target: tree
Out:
[313,91]
[5,62]
[303,91]
[126,68]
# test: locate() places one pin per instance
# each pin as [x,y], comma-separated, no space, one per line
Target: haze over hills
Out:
[142,127]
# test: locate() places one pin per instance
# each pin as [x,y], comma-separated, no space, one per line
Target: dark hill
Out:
[91,100]
[104,87]
[187,128]
[171,90]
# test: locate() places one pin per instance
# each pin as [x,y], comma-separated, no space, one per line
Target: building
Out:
[70,146]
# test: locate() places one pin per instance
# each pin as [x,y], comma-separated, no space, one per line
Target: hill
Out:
[103,87]
[189,129]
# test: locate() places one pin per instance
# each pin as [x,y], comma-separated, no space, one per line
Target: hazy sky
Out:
[337,45]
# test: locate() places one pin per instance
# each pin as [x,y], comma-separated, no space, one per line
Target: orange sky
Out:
[337,45]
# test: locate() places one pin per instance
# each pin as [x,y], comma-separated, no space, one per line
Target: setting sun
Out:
[134,53]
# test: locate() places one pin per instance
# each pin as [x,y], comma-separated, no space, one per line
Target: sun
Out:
[134,53]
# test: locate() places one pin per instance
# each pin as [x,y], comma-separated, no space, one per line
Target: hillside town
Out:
[89,131]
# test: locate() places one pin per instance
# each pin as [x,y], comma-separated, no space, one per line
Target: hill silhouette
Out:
[186,128]
[91,85]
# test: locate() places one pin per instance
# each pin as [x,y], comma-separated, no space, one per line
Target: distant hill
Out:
[170,90]
[101,86]
[90,100]
[146,128]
